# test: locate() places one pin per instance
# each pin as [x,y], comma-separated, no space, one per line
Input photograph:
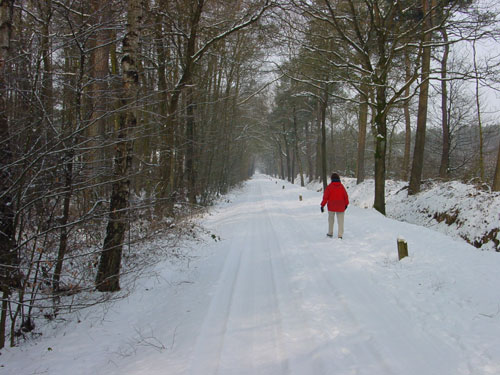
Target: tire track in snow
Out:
[242,330]
[266,277]
[316,293]
[210,341]
[298,338]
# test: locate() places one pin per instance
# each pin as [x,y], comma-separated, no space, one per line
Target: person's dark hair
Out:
[335,177]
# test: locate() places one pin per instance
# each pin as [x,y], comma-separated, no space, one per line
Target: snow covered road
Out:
[287,302]
[276,296]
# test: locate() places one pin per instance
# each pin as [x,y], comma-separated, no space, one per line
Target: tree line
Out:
[117,119]
[374,86]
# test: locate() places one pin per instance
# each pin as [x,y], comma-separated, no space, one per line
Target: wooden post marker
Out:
[402,248]
[300,198]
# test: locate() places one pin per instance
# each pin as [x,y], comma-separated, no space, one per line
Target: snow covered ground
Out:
[275,296]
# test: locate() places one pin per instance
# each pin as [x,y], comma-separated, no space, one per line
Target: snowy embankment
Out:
[269,293]
[454,208]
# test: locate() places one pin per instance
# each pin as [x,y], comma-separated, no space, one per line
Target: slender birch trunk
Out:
[108,274]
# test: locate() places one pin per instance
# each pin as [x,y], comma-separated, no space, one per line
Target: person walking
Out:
[336,197]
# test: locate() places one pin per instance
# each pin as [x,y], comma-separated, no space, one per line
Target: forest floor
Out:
[267,292]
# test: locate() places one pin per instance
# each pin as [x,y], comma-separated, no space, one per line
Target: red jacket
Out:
[336,197]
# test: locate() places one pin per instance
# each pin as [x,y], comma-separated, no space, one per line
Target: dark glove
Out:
[322,209]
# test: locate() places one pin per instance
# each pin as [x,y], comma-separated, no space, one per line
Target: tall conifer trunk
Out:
[418,153]
[380,133]
[406,109]
[8,253]
[363,121]
[296,148]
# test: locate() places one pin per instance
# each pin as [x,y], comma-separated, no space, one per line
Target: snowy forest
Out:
[121,120]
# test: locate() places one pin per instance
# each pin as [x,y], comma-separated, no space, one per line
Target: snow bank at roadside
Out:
[453,208]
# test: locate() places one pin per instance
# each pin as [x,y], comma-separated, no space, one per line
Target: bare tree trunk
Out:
[8,253]
[317,135]
[406,109]
[309,158]
[324,104]
[380,134]
[3,317]
[479,121]
[496,178]
[445,155]
[282,166]
[332,154]
[73,122]
[108,273]
[47,82]
[418,153]
[173,104]
[363,121]
[99,68]
[287,151]
[167,140]
[63,241]
[297,152]
[190,140]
